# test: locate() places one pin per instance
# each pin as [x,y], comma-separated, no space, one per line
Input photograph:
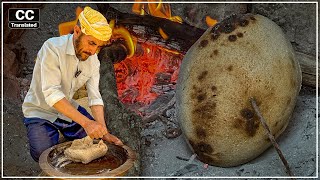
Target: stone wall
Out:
[298,21]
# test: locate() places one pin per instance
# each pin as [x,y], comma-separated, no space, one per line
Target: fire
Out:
[67,27]
[139,76]
[138,8]
[155,8]
[210,22]
[163,34]
[123,33]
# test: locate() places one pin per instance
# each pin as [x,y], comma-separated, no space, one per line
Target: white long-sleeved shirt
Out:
[54,78]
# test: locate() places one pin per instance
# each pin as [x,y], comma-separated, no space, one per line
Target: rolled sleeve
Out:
[50,75]
[93,102]
[54,97]
[93,88]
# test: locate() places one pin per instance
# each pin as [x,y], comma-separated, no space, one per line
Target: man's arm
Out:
[96,102]
[93,129]
[98,115]
[51,88]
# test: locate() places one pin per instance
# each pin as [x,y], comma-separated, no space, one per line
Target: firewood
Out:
[308,68]
[155,114]
[184,35]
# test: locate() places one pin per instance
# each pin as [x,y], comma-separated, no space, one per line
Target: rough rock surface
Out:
[298,22]
[121,122]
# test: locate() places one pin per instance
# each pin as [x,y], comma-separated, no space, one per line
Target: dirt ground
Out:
[168,157]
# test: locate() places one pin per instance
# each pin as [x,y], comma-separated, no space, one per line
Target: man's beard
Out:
[78,49]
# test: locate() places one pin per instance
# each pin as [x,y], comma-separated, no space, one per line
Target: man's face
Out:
[86,45]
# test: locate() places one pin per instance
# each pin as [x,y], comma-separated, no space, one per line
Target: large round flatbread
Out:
[241,57]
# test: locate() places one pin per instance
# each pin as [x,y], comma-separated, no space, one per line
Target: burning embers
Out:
[151,72]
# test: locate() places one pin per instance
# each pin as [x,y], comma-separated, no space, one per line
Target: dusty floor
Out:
[163,156]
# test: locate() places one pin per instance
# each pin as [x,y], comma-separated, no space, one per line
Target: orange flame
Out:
[67,27]
[210,22]
[137,76]
[163,34]
[139,8]
[155,8]
[122,32]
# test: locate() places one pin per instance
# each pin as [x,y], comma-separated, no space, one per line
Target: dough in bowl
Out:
[83,150]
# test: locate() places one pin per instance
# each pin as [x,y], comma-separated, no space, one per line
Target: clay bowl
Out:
[117,161]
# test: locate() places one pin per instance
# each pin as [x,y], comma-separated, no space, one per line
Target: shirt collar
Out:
[70,48]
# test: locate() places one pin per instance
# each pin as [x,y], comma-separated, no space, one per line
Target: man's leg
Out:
[42,134]
[73,130]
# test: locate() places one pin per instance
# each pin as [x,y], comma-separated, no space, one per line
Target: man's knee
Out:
[36,152]
[37,147]
[42,135]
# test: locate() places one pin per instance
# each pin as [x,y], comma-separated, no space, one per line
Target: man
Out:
[63,65]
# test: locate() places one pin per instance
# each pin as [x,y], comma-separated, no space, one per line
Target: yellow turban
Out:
[95,24]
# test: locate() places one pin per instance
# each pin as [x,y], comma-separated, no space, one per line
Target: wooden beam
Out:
[183,35]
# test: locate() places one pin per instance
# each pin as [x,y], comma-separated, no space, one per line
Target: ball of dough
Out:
[83,150]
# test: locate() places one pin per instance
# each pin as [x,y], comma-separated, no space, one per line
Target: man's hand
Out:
[98,115]
[95,129]
[112,139]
